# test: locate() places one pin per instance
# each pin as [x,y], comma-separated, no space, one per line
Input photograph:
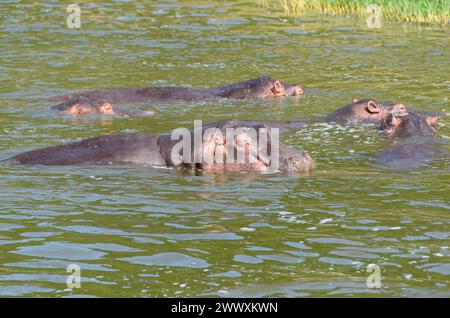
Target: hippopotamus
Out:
[414,142]
[262,87]
[217,152]
[371,111]
[367,111]
[362,111]
[409,125]
[83,106]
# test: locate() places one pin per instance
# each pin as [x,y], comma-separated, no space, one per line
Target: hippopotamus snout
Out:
[295,90]
[293,160]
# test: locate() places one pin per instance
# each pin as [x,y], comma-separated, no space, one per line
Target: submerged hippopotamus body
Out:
[411,155]
[262,87]
[217,151]
[365,111]
[282,126]
[414,142]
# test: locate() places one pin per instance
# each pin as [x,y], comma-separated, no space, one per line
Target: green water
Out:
[141,231]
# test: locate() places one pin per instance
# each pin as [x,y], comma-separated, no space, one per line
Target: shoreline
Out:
[420,11]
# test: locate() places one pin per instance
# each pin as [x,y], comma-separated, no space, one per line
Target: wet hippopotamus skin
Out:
[262,87]
[414,142]
[158,150]
[367,111]
[92,101]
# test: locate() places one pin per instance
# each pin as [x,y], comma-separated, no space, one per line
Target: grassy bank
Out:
[427,11]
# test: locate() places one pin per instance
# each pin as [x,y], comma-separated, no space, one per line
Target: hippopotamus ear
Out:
[278,87]
[372,107]
[433,121]
[105,108]
[354,100]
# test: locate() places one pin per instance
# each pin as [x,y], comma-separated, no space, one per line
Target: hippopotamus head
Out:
[261,87]
[270,87]
[410,125]
[81,105]
[365,110]
[294,160]
[290,90]
[231,146]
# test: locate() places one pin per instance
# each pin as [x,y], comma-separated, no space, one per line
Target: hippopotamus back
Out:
[411,155]
[138,148]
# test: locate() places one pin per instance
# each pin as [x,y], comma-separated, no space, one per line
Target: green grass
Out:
[426,11]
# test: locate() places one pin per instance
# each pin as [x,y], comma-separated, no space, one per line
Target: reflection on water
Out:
[138,231]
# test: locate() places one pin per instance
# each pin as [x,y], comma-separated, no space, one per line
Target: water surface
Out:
[140,231]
